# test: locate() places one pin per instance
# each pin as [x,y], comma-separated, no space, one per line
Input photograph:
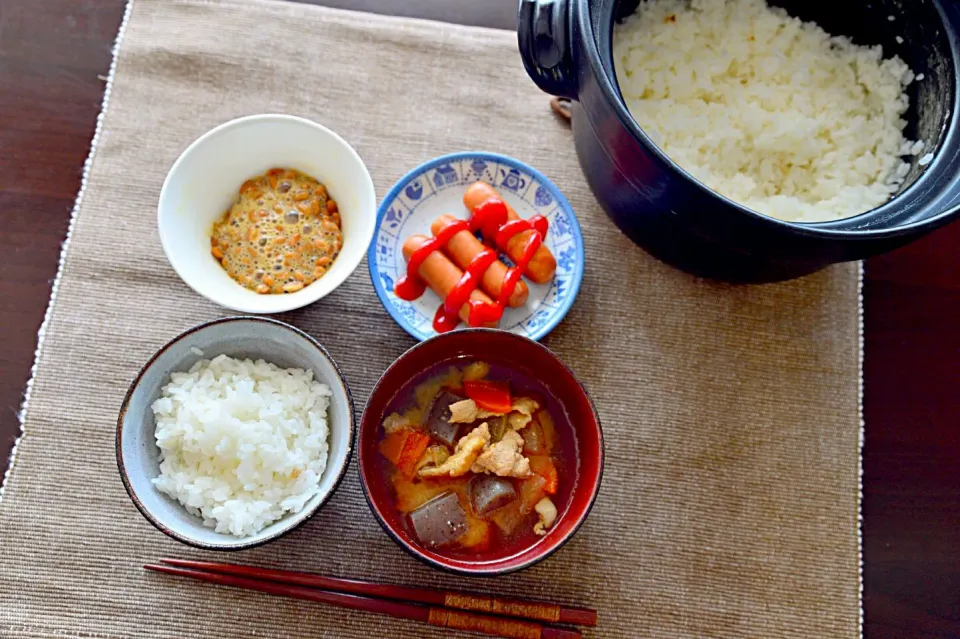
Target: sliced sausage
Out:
[441,275]
[543,266]
[464,246]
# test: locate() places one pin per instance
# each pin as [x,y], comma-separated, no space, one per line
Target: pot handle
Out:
[546,46]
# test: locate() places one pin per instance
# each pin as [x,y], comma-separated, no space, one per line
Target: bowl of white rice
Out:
[234,433]
[758,140]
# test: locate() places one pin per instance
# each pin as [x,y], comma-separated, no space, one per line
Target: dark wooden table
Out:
[53,59]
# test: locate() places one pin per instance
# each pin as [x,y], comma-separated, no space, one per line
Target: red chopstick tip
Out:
[164,569]
[578,616]
[550,632]
[181,562]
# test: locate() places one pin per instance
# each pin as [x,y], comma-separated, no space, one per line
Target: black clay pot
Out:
[566,48]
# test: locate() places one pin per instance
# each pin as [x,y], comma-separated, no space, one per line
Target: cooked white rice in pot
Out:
[242,443]
[772,112]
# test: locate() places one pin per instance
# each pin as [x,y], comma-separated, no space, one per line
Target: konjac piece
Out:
[440,521]
[488,493]
[439,419]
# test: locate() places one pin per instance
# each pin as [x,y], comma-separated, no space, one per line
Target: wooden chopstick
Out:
[519,608]
[435,616]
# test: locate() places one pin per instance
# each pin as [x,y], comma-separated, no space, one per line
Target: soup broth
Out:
[480,461]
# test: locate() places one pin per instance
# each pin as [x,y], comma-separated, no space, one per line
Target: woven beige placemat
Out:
[729,506]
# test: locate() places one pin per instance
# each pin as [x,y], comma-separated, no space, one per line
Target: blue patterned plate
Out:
[437,187]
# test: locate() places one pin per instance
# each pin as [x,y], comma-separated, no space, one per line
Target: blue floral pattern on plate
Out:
[567,258]
[393,218]
[542,197]
[435,188]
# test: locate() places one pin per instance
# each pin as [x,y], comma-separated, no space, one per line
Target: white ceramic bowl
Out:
[206,178]
[138,457]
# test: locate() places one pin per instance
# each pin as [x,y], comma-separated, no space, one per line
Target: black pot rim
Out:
[819,230]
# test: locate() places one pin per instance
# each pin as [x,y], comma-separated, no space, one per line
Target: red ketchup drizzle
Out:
[492,219]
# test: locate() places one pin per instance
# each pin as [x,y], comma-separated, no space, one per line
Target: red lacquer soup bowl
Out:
[571,408]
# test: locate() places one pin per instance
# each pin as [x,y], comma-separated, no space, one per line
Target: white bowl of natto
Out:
[296,198]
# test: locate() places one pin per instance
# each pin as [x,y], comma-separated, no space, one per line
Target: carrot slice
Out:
[404,448]
[492,396]
[544,467]
[392,445]
[413,448]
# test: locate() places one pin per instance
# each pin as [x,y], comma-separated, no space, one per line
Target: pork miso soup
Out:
[481,462]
